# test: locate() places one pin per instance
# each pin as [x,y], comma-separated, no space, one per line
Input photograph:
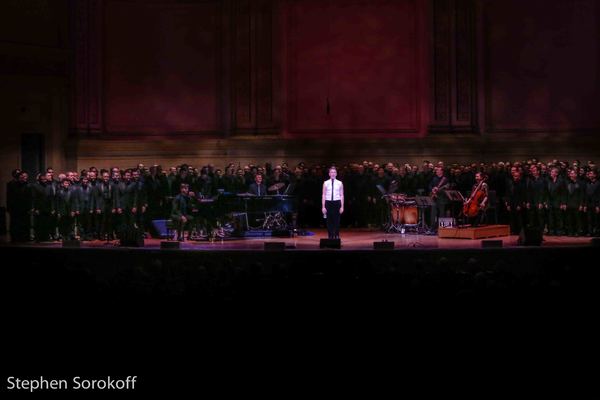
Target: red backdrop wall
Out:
[542,65]
[354,66]
[367,69]
[162,67]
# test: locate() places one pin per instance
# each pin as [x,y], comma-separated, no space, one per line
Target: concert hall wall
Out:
[35,56]
[238,80]
[340,80]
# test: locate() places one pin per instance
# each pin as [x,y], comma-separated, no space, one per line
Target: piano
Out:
[246,211]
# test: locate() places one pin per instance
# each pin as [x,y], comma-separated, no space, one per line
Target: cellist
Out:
[477,201]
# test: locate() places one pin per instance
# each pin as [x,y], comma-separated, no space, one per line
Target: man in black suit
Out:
[537,197]
[139,199]
[66,205]
[575,202]
[557,203]
[19,207]
[515,201]
[105,204]
[258,188]
[592,203]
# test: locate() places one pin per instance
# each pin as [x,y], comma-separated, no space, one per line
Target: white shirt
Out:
[338,189]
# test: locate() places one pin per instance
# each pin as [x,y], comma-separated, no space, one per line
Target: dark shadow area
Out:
[159,311]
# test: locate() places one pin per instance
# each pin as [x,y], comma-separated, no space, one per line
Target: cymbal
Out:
[276,186]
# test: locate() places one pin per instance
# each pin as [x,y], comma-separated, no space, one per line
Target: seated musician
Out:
[479,194]
[181,211]
[258,188]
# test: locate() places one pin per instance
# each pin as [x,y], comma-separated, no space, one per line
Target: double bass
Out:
[472,206]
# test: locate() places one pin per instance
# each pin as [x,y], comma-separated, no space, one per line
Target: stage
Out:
[352,240]
[217,279]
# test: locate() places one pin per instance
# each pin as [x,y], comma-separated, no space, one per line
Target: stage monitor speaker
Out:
[595,241]
[330,244]
[274,246]
[491,243]
[74,244]
[169,245]
[530,236]
[383,245]
[159,229]
[130,236]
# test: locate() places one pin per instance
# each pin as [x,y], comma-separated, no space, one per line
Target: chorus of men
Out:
[562,198]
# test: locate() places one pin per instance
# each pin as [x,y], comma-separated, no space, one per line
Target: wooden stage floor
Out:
[352,239]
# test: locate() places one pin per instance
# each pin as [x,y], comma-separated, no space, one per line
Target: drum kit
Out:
[403,212]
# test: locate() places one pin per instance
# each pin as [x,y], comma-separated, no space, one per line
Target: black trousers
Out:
[438,209]
[593,227]
[333,218]
[516,218]
[19,226]
[536,217]
[42,226]
[556,218]
[181,226]
[65,226]
[573,221]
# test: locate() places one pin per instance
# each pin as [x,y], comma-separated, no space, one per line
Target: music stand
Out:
[423,202]
[454,195]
